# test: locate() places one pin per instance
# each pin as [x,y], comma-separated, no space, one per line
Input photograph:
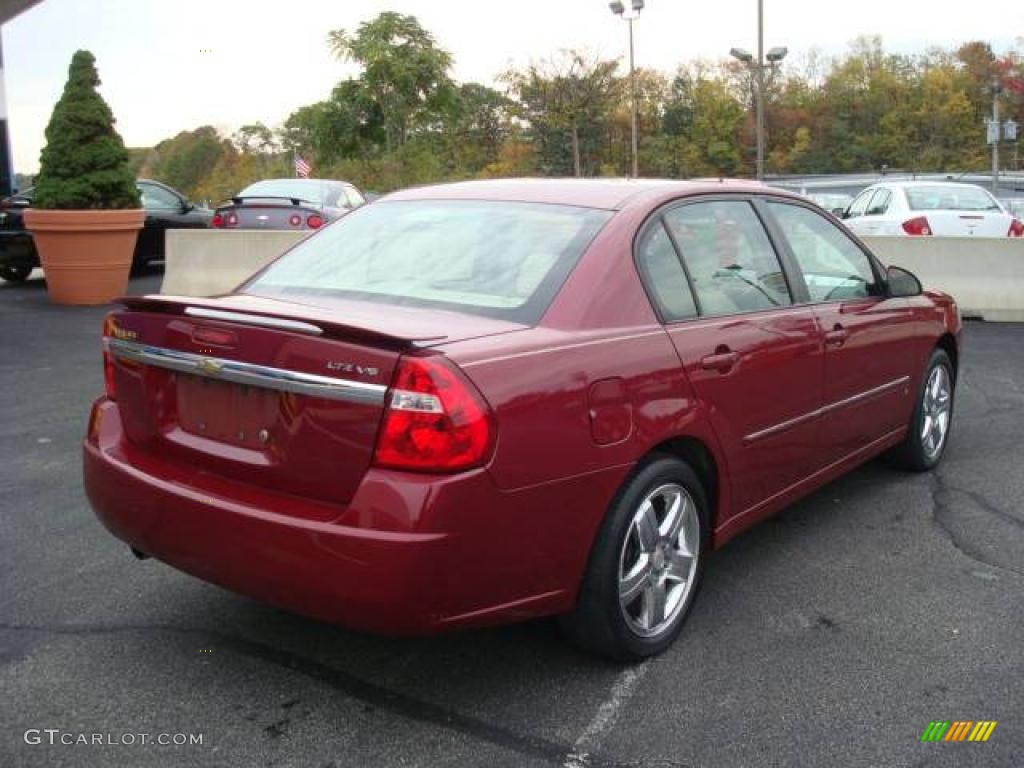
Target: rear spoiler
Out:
[306,320]
[292,200]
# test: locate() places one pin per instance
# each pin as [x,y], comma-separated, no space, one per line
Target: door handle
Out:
[837,336]
[722,361]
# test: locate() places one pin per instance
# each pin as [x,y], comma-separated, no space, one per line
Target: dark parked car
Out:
[489,401]
[288,204]
[165,209]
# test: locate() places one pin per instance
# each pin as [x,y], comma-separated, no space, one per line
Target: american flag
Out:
[302,168]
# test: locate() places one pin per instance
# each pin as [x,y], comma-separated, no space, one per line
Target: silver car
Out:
[288,204]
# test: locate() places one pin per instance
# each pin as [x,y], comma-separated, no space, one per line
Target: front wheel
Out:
[928,432]
[15,273]
[646,565]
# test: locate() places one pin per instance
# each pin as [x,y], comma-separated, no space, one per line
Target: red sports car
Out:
[490,401]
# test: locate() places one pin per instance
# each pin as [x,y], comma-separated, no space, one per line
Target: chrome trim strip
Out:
[252,375]
[266,322]
[788,424]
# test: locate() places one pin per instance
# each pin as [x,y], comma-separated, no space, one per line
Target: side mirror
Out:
[902,283]
[187,206]
[839,213]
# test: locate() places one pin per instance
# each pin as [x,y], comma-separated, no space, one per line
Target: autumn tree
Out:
[567,98]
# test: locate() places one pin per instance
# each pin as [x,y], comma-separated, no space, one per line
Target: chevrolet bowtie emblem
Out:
[209,366]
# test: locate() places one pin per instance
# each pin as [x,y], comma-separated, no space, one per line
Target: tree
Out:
[185,160]
[255,138]
[404,71]
[567,97]
[84,164]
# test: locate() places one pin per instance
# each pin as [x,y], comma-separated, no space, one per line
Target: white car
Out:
[942,208]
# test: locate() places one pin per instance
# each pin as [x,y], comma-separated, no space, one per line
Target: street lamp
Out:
[619,9]
[774,57]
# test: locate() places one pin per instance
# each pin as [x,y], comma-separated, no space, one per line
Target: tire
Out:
[922,448]
[645,561]
[15,273]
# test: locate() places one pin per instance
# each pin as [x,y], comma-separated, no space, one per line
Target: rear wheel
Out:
[646,566]
[929,427]
[16,273]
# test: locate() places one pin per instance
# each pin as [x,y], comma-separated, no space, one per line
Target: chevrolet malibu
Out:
[491,401]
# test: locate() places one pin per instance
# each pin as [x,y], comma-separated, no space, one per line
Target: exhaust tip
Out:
[139,554]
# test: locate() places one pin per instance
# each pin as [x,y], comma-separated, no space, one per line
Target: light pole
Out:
[996,90]
[774,56]
[619,9]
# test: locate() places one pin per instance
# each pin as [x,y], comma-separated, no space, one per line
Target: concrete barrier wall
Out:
[984,274]
[206,262]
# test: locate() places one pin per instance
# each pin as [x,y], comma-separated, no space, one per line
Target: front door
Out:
[868,348]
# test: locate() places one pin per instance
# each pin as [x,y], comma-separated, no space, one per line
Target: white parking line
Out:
[605,717]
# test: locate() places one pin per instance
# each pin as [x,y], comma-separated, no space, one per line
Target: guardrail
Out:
[986,275]
[207,262]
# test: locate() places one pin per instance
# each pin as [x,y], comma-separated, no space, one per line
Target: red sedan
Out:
[490,401]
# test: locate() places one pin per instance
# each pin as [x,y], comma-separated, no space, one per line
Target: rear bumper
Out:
[407,555]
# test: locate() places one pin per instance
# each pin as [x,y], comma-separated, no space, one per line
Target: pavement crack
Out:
[368,693]
[942,511]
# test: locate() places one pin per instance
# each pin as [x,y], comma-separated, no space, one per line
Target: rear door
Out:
[868,337]
[753,358]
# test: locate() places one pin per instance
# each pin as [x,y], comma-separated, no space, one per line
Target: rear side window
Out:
[731,262]
[499,259]
[833,267]
[663,275]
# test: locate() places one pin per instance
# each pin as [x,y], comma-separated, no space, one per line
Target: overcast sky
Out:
[169,66]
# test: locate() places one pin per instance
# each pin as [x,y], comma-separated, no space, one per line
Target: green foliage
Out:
[402,120]
[184,161]
[85,164]
[404,72]
[566,100]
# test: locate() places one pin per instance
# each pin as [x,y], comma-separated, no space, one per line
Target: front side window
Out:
[879,203]
[499,259]
[834,268]
[731,262]
[859,204]
[154,197]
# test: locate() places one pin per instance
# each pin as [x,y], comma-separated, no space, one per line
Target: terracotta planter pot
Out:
[86,255]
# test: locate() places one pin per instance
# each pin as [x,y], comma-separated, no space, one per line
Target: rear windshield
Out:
[499,259]
[322,193]
[941,198]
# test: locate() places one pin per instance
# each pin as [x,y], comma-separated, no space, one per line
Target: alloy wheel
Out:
[935,411]
[658,561]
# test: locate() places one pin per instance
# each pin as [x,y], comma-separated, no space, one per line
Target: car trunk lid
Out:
[259,391]
[953,223]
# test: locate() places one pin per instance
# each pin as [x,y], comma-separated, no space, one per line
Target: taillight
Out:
[231,220]
[315,221]
[295,220]
[1016,229]
[217,221]
[435,420]
[109,382]
[918,226]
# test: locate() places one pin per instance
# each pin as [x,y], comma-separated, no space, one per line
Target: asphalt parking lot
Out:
[830,636]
